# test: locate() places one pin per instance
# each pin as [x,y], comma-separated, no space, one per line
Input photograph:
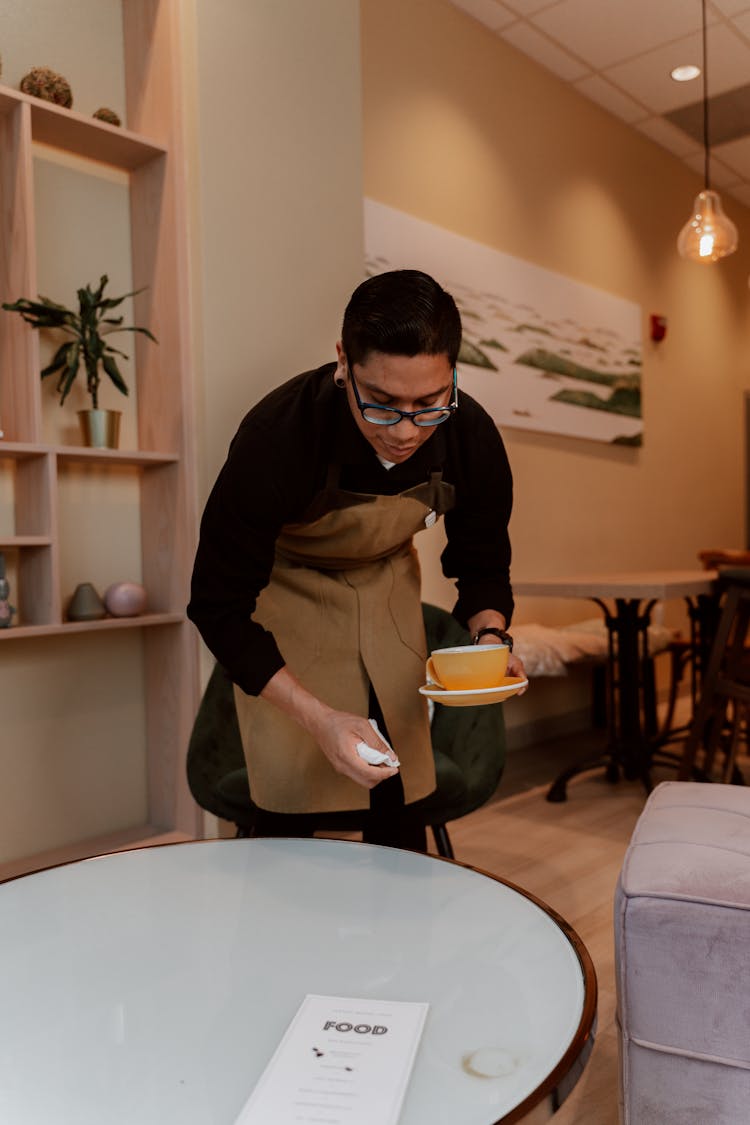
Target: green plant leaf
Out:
[113,302]
[59,359]
[45,306]
[102,285]
[40,315]
[110,366]
[85,300]
[145,332]
[53,304]
[116,351]
[48,319]
[69,374]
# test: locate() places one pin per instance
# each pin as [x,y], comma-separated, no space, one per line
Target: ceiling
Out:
[619,53]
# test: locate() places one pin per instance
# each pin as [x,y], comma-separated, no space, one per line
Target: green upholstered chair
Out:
[468,744]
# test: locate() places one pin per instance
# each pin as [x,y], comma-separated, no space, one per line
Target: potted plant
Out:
[86,347]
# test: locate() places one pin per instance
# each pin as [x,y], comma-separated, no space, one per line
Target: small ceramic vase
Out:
[85,605]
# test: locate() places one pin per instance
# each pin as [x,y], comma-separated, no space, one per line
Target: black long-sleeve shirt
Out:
[278,462]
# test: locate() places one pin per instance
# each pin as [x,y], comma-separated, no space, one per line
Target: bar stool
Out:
[691,654]
[719,717]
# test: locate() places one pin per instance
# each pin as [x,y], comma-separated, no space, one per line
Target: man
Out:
[306,583]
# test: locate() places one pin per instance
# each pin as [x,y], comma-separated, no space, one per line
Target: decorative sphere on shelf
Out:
[125,599]
[108,115]
[41,82]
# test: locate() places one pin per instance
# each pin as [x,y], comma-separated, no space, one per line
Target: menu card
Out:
[342,1061]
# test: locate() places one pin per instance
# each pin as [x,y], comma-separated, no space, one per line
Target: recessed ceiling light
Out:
[685,73]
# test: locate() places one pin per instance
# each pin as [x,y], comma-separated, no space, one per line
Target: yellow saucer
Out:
[509,687]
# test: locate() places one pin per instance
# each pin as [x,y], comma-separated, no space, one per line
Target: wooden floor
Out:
[569,855]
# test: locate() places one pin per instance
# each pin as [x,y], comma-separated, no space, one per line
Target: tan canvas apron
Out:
[343,603]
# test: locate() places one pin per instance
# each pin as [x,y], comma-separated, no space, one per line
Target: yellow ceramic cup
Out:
[468,667]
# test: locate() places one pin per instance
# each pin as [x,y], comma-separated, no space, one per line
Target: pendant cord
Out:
[705,99]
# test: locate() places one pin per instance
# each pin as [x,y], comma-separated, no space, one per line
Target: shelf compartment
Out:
[100,536]
[19,632]
[38,596]
[13,542]
[22,450]
[35,590]
[83,136]
[136,457]
[28,566]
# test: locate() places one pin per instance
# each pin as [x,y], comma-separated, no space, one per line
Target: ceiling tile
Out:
[608,96]
[740,192]
[606,33]
[742,22]
[528,7]
[669,136]
[491,13]
[647,77]
[721,175]
[730,7]
[543,51]
[736,155]
[728,117]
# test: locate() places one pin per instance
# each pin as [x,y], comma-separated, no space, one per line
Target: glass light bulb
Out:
[709,234]
[685,73]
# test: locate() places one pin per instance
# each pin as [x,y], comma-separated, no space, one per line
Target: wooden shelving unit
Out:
[150,151]
[71,132]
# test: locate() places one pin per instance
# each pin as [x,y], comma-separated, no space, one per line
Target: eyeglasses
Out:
[390,415]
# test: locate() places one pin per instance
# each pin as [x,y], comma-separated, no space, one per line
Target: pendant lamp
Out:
[708,234]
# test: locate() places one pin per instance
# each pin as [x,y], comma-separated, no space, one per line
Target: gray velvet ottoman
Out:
[682,959]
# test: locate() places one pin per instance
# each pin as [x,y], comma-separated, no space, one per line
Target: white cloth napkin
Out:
[375,757]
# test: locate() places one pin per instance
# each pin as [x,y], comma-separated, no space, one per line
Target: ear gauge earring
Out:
[339,380]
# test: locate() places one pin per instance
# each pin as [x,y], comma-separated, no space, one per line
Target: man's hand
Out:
[490,618]
[338,735]
[336,732]
[515,664]
[516,668]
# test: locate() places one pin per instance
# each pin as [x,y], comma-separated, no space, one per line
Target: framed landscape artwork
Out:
[539,351]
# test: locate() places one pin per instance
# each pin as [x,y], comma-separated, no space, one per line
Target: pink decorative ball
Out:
[125,599]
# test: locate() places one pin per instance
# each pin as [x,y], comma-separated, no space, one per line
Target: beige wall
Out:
[280,237]
[464,132]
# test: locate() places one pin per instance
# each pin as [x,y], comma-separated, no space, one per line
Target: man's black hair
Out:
[402,312]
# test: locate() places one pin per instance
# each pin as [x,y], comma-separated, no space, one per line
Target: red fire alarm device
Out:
[658,327]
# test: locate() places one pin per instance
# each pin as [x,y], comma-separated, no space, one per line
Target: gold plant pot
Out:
[100,428]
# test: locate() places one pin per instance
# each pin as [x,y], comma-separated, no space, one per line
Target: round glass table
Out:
[151,987]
